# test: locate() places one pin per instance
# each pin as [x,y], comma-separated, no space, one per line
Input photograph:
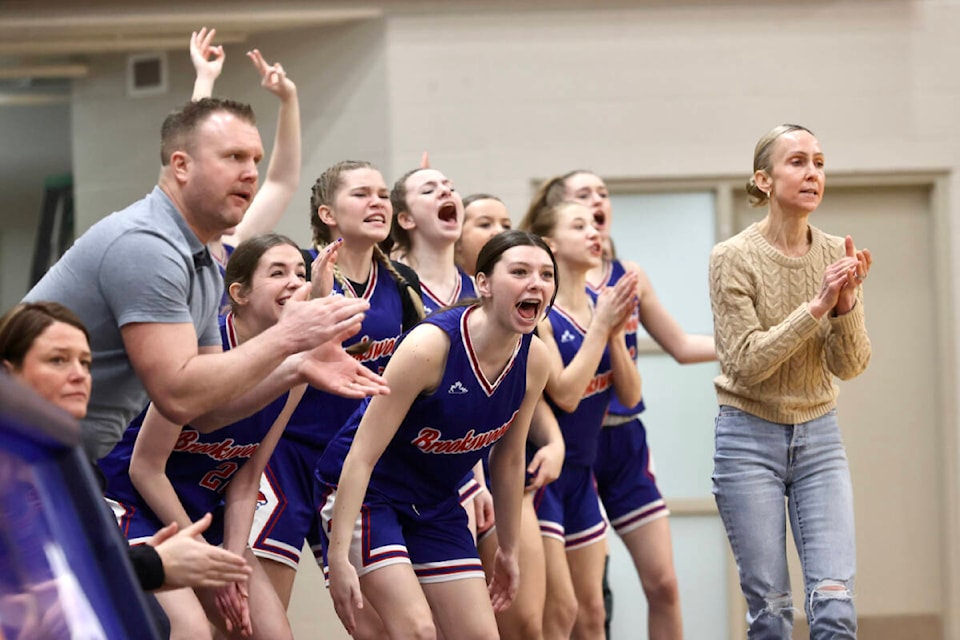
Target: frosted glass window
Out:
[681,408]
[670,235]
[699,552]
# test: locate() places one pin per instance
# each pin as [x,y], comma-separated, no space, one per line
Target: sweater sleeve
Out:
[748,353]
[848,346]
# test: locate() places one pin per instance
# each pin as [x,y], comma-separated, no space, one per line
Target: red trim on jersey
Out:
[604,280]
[453,298]
[371,282]
[569,318]
[231,330]
[487,386]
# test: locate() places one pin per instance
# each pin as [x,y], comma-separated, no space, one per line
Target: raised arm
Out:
[283,172]
[417,365]
[567,384]
[207,61]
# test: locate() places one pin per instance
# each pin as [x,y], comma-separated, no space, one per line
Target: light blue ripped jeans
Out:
[758,463]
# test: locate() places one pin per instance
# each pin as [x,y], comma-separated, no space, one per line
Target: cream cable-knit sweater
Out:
[777,361]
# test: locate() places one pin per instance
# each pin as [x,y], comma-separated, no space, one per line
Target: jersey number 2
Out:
[216,479]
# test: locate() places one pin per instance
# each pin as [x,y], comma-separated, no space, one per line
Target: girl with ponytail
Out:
[350,206]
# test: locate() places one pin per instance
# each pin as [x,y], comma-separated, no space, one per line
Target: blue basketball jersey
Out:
[320,414]
[201,464]
[581,427]
[613,272]
[464,290]
[445,432]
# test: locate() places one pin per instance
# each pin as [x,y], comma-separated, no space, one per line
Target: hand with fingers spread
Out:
[272,76]
[190,561]
[233,603]
[207,60]
[504,581]
[329,368]
[321,270]
[848,294]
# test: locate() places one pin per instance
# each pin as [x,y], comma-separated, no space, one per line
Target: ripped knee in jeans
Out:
[779,605]
[830,590]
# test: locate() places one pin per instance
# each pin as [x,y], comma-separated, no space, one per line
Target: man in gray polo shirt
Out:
[143,282]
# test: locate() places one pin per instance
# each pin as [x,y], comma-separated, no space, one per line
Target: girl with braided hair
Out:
[350,205]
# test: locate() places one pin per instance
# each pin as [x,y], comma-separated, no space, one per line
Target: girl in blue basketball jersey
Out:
[484,216]
[161,473]
[427,221]
[350,206]
[393,516]
[624,466]
[590,364]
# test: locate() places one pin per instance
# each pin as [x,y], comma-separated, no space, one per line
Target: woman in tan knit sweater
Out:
[788,320]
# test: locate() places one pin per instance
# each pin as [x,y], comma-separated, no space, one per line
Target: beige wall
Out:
[680,90]
[340,73]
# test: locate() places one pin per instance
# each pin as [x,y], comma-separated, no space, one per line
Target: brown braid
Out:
[416,300]
[361,347]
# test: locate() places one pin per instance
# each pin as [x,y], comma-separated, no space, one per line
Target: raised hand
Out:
[321,270]
[848,294]
[835,277]
[272,76]
[615,304]
[190,561]
[207,61]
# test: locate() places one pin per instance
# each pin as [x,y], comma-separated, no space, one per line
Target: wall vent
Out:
[146,74]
